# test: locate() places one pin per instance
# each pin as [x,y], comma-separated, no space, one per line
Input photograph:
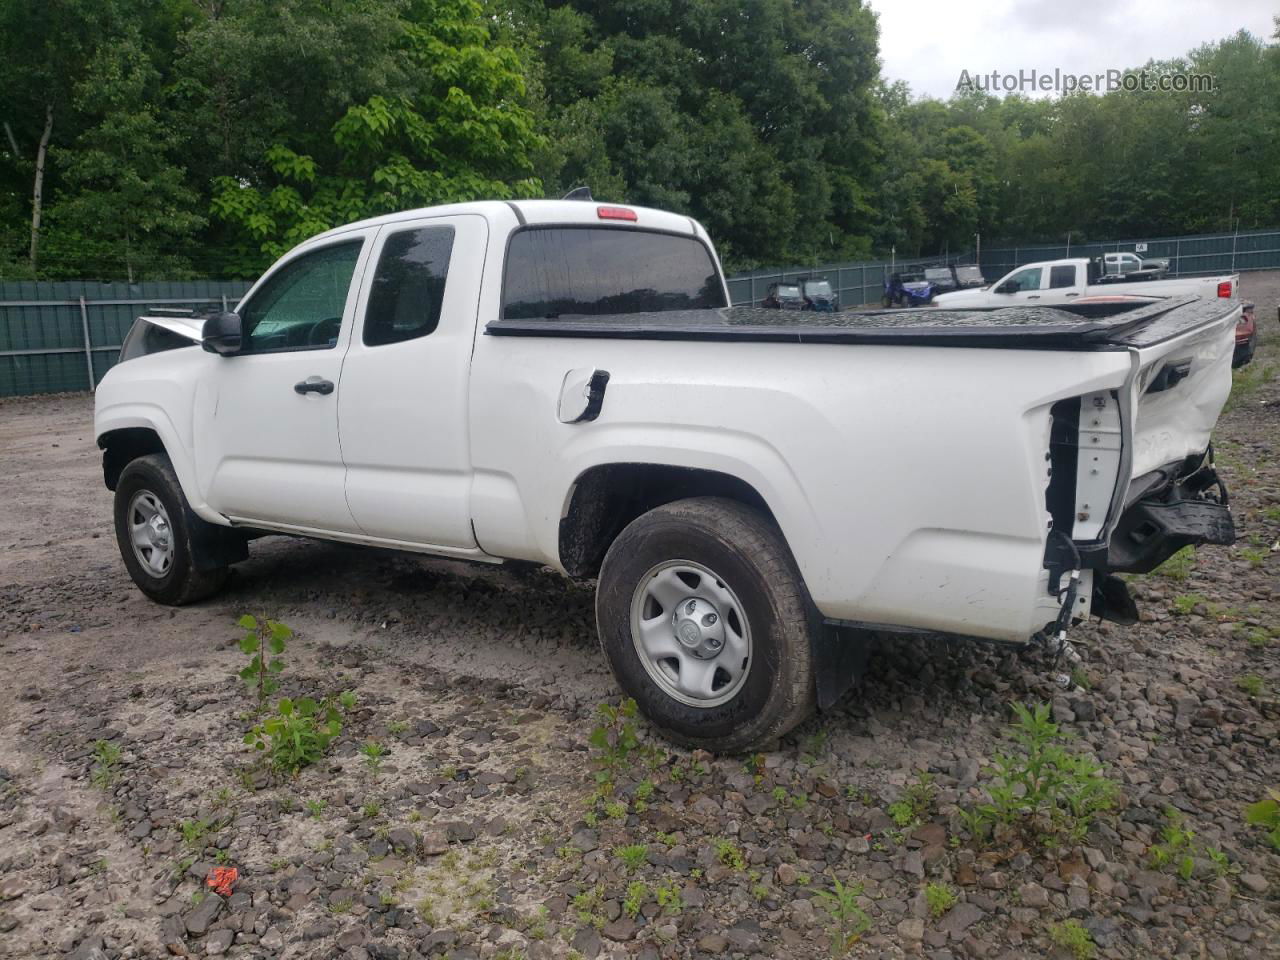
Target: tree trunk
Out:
[37,194]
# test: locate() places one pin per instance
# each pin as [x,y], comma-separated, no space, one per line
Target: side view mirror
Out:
[1007,287]
[222,334]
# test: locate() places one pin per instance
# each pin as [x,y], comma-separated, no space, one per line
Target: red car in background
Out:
[1246,337]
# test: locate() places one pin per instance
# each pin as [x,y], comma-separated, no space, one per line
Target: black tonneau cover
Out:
[1077,327]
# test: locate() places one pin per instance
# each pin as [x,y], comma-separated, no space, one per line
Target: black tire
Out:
[181,582]
[747,551]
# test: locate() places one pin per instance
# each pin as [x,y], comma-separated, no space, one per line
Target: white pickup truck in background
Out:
[757,492]
[1056,282]
[1131,265]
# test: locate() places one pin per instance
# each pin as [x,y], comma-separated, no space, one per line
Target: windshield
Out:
[789,291]
[912,277]
[817,288]
[937,273]
[968,273]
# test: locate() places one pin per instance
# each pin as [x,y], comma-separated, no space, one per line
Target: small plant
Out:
[371,809]
[916,801]
[614,738]
[1044,787]
[940,898]
[848,920]
[632,856]
[297,734]
[1251,683]
[1178,567]
[347,700]
[397,727]
[315,807]
[1254,557]
[106,764]
[617,810]
[644,790]
[669,898]
[373,753]
[1266,814]
[259,674]
[637,894]
[780,794]
[1184,603]
[728,853]
[1073,938]
[1176,847]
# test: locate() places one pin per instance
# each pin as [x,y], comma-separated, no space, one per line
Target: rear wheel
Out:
[154,527]
[705,622]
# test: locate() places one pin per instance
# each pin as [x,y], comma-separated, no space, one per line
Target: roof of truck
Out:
[537,212]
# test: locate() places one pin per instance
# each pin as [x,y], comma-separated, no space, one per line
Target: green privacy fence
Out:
[66,335]
[1199,255]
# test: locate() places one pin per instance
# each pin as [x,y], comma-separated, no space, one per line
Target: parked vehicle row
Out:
[754,491]
[804,293]
[1054,282]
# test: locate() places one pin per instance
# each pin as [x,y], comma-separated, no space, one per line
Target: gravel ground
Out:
[484,831]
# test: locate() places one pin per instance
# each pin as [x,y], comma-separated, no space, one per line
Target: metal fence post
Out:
[224,303]
[88,347]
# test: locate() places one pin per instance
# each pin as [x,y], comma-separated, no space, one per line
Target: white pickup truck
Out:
[1055,282]
[758,492]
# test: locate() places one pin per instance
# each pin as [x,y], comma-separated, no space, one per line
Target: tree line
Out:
[164,139]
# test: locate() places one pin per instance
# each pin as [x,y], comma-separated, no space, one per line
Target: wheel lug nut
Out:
[709,620]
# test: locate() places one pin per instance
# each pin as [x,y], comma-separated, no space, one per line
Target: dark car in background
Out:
[783,296]
[954,277]
[819,295]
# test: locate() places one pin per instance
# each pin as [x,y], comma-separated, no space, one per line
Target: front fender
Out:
[112,415]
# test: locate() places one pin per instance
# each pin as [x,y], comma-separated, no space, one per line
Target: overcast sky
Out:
[928,42]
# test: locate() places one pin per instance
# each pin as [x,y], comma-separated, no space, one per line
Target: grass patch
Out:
[1178,567]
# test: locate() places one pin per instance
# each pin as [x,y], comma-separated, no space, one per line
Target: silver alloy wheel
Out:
[150,533]
[691,633]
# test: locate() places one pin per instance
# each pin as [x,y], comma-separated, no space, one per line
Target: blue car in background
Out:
[908,288]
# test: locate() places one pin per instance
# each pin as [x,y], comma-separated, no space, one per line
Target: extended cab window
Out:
[408,286]
[1062,276]
[1025,279]
[300,306]
[593,271]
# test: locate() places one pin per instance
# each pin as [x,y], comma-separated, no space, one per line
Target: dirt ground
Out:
[482,832]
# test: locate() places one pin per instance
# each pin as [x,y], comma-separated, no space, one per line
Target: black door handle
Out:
[314,385]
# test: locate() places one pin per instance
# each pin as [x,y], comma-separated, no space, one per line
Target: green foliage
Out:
[632,856]
[196,138]
[1176,847]
[669,898]
[373,753]
[614,739]
[916,801]
[1043,787]
[106,764]
[1266,814]
[848,920]
[637,893]
[728,853]
[1073,938]
[264,654]
[1184,603]
[1251,683]
[940,898]
[297,734]
[1178,567]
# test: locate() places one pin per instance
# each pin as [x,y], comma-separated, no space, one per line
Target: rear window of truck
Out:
[555,272]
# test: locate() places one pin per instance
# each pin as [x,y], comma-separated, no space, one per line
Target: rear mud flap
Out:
[839,659]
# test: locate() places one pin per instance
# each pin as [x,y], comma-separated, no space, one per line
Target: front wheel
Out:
[154,528]
[705,621]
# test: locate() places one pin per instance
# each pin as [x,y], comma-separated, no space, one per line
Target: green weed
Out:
[848,920]
[940,898]
[1073,938]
